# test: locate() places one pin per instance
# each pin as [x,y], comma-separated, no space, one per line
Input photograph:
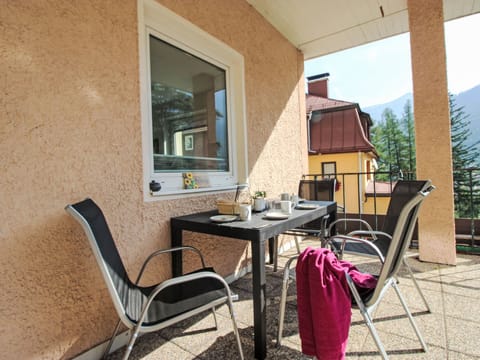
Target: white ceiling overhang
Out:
[320,27]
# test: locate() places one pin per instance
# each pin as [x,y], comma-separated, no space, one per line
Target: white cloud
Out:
[379,72]
[463,53]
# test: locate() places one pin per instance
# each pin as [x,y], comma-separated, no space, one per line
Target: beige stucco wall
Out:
[71,128]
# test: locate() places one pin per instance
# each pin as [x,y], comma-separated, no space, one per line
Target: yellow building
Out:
[339,144]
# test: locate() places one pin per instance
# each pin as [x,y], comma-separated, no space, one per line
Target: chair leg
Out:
[297,244]
[275,251]
[283,299]
[110,342]
[366,316]
[132,340]
[215,318]
[281,315]
[416,285]
[373,331]
[410,317]
[235,328]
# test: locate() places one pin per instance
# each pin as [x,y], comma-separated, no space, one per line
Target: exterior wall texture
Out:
[71,128]
[432,129]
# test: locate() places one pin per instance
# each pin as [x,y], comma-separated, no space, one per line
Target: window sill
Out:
[183,193]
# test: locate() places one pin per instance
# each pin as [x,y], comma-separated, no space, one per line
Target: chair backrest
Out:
[401,237]
[90,216]
[320,190]
[403,192]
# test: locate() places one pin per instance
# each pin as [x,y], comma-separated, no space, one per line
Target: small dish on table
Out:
[276,215]
[306,206]
[223,218]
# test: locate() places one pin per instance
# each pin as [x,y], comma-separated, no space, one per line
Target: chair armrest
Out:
[321,233]
[188,278]
[301,231]
[373,233]
[182,279]
[345,220]
[167,251]
[344,239]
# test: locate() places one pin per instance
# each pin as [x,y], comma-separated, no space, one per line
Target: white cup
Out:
[286,206]
[284,196]
[275,205]
[295,199]
[245,212]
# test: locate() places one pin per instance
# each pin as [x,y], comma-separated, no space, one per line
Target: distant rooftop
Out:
[335,126]
[379,188]
[317,77]
[315,103]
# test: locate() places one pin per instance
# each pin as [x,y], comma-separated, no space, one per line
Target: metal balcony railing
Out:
[467,207]
[366,195]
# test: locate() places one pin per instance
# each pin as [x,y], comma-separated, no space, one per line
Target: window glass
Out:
[189,111]
[329,169]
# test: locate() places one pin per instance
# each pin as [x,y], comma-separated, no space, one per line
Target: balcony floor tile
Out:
[451,330]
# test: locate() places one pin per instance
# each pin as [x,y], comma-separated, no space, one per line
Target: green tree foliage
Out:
[394,140]
[409,127]
[466,184]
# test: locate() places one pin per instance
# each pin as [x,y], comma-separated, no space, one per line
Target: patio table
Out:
[258,230]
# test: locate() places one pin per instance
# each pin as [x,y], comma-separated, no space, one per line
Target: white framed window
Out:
[193,106]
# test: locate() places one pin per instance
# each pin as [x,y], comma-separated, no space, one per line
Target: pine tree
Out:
[409,128]
[395,144]
[391,144]
[464,156]
[378,140]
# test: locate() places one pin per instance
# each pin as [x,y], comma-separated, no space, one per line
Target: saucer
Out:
[223,218]
[276,215]
[306,207]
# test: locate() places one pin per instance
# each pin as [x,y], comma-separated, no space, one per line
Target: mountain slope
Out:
[396,105]
[470,100]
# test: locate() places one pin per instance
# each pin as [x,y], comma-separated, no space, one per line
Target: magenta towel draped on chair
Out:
[324,302]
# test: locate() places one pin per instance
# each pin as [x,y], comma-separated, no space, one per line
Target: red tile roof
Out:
[337,126]
[315,103]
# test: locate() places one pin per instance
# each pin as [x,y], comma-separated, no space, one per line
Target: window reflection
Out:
[189,112]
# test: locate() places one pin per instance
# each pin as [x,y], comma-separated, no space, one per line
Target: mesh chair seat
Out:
[354,247]
[173,300]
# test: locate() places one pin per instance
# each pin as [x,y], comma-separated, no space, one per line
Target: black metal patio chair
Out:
[150,308]
[403,192]
[391,262]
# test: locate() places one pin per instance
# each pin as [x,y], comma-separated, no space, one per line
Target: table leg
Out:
[259,299]
[332,218]
[272,243]
[273,251]
[177,258]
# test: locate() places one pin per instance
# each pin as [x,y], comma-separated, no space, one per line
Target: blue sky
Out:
[379,72]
